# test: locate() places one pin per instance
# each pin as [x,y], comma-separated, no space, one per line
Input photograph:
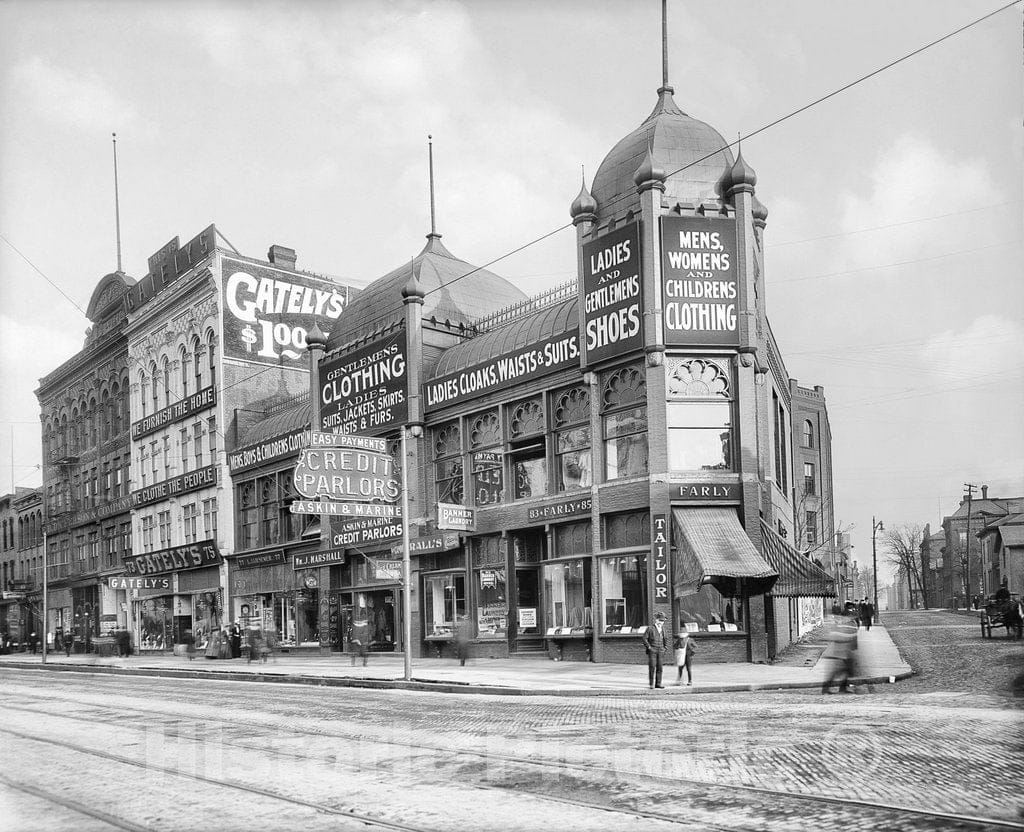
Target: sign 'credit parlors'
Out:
[699,269]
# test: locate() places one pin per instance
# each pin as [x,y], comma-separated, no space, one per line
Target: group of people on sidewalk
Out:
[656,645]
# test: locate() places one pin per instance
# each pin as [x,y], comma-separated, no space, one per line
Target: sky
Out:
[894,264]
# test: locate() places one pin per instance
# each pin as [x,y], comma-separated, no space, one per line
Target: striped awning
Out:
[711,547]
[799,576]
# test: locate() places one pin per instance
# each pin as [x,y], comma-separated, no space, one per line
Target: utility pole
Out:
[874,563]
[969,487]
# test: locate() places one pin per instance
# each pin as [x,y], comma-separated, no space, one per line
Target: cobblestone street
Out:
[190,754]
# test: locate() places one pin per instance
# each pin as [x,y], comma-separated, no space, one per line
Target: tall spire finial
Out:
[664,43]
[117,205]
[430,152]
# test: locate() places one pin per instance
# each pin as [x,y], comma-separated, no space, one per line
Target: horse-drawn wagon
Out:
[1004,612]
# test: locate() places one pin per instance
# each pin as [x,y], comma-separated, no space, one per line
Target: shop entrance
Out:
[526,635]
[368,619]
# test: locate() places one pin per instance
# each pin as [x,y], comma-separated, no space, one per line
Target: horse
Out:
[1008,613]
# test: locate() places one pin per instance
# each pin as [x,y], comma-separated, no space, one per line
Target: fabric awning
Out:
[711,547]
[798,575]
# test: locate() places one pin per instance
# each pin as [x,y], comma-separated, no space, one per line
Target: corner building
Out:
[617,447]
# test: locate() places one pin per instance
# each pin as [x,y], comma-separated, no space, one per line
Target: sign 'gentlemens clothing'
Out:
[174,559]
[129,582]
[175,487]
[365,531]
[268,312]
[659,556]
[181,409]
[706,492]
[168,264]
[455,517]
[699,280]
[278,447]
[568,508]
[611,309]
[346,468]
[518,367]
[329,557]
[366,389]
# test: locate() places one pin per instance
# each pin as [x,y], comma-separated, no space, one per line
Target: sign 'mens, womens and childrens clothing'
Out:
[267,312]
[174,559]
[366,389]
[611,310]
[699,280]
[520,366]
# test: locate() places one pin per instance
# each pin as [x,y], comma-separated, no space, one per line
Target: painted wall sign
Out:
[611,304]
[387,570]
[349,533]
[174,559]
[367,388]
[130,582]
[518,367]
[262,559]
[659,556]
[346,474]
[444,542]
[567,508]
[182,409]
[331,509]
[702,491]
[267,312]
[81,518]
[328,557]
[455,517]
[176,486]
[276,448]
[168,264]
[699,267]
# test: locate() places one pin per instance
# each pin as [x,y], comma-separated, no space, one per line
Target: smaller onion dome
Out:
[412,288]
[760,212]
[584,204]
[741,174]
[315,338]
[649,171]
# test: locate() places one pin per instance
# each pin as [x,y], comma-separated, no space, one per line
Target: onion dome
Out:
[741,175]
[760,213]
[677,141]
[584,205]
[650,173]
[315,338]
[412,288]
[453,291]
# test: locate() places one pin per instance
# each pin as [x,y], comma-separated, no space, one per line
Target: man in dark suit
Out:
[656,644]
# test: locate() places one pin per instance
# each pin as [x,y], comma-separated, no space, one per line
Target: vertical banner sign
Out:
[659,553]
[267,312]
[699,281]
[612,304]
[366,390]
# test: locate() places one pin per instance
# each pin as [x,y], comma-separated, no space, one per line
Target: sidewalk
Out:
[879,663]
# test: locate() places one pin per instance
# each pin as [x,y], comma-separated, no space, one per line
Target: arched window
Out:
[125,413]
[212,358]
[73,443]
[186,372]
[156,387]
[197,363]
[808,437]
[168,397]
[114,416]
[144,390]
[93,424]
[104,416]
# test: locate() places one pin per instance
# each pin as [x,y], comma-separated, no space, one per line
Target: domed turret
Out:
[315,338]
[677,142]
[741,175]
[760,213]
[584,206]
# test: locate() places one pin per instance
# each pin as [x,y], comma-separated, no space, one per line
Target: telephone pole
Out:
[969,487]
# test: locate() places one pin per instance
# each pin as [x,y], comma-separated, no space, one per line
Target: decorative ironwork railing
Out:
[522,308]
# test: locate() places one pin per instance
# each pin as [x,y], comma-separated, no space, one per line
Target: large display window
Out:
[444,604]
[567,595]
[707,610]
[292,616]
[623,593]
[492,603]
[624,418]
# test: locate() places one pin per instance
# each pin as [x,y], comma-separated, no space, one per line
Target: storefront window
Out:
[487,478]
[572,458]
[492,603]
[247,515]
[444,604]
[707,610]
[529,472]
[700,436]
[623,593]
[155,623]
[448,464]
[206,616]
[625,444]
[567,595]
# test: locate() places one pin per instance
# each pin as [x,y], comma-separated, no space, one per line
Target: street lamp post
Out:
[46,617]
[415,431]
[875,527]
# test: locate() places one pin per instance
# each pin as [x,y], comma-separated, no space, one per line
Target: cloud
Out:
[65,96]
[988,347]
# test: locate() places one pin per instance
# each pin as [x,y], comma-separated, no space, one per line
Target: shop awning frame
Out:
[799,576]
[711,547]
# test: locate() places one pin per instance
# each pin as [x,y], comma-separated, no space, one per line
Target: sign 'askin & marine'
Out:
[174,559]
[176,486]
[182,409]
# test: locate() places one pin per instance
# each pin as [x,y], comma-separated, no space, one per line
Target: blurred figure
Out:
[235,637]
[33,642]
[867,613]
[838,656]
[462,641]
[685,649]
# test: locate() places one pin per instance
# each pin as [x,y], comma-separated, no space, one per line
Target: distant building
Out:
[1002,554]
[21,535]
[931,548]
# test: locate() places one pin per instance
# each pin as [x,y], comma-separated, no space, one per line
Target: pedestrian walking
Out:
[869,613]
[462,641]
[33,642]
[235,637]
[838,657]
[656,645]
[685,649]
[69,642]
[252,640]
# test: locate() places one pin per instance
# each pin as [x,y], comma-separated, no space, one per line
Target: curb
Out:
[428,685]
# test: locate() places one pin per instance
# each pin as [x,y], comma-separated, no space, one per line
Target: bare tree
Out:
[903,547]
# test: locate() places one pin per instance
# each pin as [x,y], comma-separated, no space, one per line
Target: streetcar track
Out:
[560,765]
[74,805]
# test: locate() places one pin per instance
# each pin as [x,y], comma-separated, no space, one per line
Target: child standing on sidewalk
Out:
[684,657]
